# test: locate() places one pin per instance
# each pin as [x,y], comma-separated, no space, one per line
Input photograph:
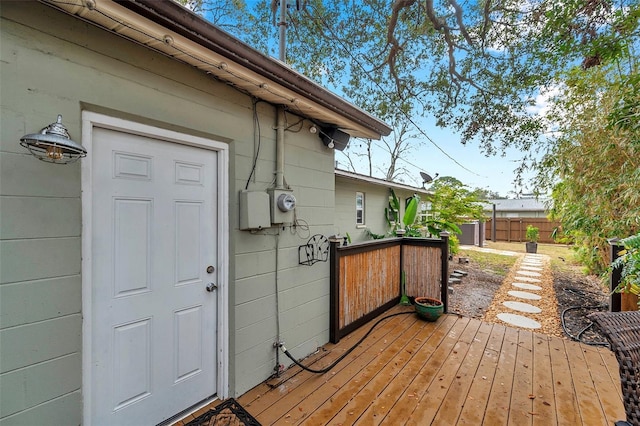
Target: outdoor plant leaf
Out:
[629,261]
[391,213]
[411,211]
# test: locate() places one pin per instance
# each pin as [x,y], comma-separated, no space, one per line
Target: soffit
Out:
[225,58]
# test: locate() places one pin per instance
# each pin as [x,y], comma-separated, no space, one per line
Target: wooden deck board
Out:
[419,385]
[478,395]
[454,371]
[317,389]
[567,411]
[590,408]
[392,392]
[497,412]
[544,407]
[378,378]
[598,371]
[449,373]
[457,393]
[347,398]
[521,406]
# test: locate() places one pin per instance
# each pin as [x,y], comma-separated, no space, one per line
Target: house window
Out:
[359,208]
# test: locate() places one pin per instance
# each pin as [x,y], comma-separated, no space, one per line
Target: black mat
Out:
[230,412]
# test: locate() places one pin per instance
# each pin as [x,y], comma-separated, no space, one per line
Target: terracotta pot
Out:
[428,308]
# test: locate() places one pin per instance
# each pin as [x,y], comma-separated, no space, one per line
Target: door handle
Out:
[211,287]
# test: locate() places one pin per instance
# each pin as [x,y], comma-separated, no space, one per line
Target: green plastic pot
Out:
[428,308]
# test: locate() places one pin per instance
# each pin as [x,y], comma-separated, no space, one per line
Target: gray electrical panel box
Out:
[254,210]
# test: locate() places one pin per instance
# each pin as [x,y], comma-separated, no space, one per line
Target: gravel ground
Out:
[579,295]
[481,293]
[474,294]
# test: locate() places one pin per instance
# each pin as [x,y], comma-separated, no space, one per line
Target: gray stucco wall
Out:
[53,64]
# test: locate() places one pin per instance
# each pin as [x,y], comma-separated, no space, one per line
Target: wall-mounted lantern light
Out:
[53,144]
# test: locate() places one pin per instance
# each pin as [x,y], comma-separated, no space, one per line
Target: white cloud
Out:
[544,101]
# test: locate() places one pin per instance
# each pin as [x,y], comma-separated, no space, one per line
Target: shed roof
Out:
[175,31]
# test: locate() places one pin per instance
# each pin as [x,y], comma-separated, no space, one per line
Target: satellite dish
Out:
[426,178]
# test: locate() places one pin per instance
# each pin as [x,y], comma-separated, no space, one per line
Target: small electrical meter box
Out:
[282,204]
[254,210]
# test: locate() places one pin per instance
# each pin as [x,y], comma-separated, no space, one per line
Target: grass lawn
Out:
[562,256]
[498,264]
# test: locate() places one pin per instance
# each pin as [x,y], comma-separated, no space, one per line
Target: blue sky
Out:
[494,173]
[469,164]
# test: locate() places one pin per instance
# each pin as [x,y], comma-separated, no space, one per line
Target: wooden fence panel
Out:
[423,271]
[366,278]
[514,229]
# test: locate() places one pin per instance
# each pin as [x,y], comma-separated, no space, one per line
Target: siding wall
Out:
[81,67]
[376,200]
[303,290]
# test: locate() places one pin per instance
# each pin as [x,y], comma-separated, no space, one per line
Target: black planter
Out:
[532,247]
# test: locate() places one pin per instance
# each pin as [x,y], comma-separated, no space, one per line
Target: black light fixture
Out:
[53,144]
[334,138]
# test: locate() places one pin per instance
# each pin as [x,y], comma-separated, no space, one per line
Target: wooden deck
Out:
[455,371]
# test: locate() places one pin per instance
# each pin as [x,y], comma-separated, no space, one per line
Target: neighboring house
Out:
[361,200]
[128,291]
[519,207]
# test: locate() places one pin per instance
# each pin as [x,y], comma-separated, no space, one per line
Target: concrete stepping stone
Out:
[526,286]
[529,273]
[454,275]
[524,295]
[455,280]
[519,320]
[531,268]
[528,279]
[522,307]
[463,273]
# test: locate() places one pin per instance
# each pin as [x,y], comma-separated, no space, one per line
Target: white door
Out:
[153,249]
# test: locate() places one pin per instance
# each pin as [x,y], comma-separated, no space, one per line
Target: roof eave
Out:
[379,182]
[294,90]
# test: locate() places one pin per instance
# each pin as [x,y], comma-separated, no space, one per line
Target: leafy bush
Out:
[454,244]
[629,261]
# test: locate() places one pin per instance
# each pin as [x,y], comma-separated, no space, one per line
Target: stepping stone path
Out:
[456,278]
[526,286]
[525,294]
[522,307]
[519,320]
